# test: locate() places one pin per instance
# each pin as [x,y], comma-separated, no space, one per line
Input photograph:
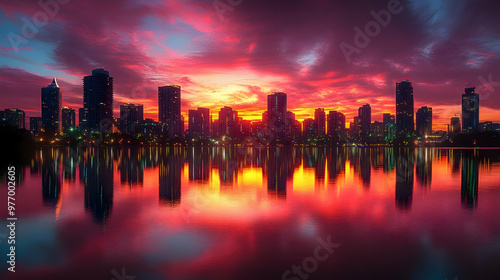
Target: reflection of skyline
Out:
[424,166]
[98,181]
[470,178]
[130,164]
[277,171]
[405,165]
[388,158]
[228,162]
[69,164]
[198,162]
[51,179]
[336,163]
[171,162]
[365,167]
[278,166]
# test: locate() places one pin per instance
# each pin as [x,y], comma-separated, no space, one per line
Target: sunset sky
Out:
[235,57]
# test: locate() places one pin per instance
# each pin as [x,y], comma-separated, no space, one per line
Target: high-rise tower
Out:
[51,107]
[98,100]
[470,111]
[405,123]
[169,110]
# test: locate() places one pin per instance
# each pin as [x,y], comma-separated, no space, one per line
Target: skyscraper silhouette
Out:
[405,123]
[97,100]
[228,122]
[131,117]
[424,121]
[319,121]
[199,123]
[364,121]
[51,107]
[470,111]
[276,118]
[336,125]
[68,118]
[169,110]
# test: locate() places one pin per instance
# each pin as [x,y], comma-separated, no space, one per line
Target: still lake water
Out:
[238,213]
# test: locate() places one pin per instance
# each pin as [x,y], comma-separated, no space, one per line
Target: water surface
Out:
[238,213]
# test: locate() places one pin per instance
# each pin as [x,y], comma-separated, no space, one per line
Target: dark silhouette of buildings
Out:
[13,117]
[309,128]
[81,119]
[199,123]
[68,118]
[336,125]
[486,126]
[51,107]
[470,111]
[354,129]
[131,117]
[377,130]
[97,100]
[36,124]
[228,123]
[389,126]
[364,121]
[455,127]
[424,121]
[294,128]
[169,110]
[404,109]
[319,122]
[277,115]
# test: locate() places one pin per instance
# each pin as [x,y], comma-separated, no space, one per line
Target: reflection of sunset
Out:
[196,207]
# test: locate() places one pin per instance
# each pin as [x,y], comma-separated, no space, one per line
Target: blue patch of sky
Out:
[439,17]
[178,35]
[33,55]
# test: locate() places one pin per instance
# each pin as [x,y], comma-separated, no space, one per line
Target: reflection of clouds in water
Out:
[434,262]
[308,227]
[37,242]
[164,246]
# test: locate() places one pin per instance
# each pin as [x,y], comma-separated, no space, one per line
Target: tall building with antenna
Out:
[51,107]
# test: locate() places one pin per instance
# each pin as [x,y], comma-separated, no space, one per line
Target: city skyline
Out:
[235,61]
[184,112]
[250,139]
[278,125]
